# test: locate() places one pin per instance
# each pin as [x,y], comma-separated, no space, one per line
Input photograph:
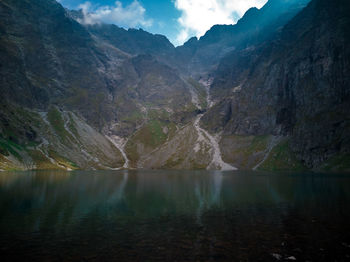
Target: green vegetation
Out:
[41,161]
[22,131]
[8,147]
[151,134]
[149,137]
[245,151]
[62,161]
[158,114]
[258,144]
[7,165]
[55,118]
[72,126]
[17,124]
[154,133]
[172,163]
[134,116]
[282,158]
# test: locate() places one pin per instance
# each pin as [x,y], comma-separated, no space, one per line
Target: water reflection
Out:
[200,214]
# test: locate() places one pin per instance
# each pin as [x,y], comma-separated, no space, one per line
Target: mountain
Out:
[257,25]
[270,92]
[51,65]
[294,88]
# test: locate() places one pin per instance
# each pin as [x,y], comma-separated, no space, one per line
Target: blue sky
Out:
[177,19]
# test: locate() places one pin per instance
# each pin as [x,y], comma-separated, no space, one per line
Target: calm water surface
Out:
[174,216]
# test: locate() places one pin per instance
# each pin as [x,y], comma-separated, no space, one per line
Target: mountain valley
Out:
[269,93]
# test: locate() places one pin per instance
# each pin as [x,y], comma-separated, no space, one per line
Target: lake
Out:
[174,216]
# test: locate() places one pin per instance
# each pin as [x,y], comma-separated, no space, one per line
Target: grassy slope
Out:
[22,147]
[244,152]
[149,137]
[282,158]
[16,148]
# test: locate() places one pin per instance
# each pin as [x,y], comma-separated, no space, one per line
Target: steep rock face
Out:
[133,41]
[201,56]
[295,86]
[151,90]
[113,85]
[50,58]
[271,91]
[44,56]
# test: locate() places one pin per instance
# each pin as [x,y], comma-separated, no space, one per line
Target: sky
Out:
[178,20]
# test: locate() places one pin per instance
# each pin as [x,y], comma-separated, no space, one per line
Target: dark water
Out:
[174,216]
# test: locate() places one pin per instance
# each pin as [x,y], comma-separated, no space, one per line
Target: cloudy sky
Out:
[177,19]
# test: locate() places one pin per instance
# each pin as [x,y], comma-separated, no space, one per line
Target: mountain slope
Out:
[256,26]
[49,60]
[296,86]
[268,93]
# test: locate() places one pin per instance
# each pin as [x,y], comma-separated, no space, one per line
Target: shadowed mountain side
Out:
[270,92]
[197,57]
[49,59]
[295,86]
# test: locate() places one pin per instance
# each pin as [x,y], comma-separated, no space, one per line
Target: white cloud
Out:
[132,15]
[198,16]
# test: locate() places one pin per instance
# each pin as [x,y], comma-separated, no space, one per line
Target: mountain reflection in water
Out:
[173,215]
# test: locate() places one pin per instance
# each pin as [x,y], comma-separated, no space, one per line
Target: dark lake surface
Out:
[174,216]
